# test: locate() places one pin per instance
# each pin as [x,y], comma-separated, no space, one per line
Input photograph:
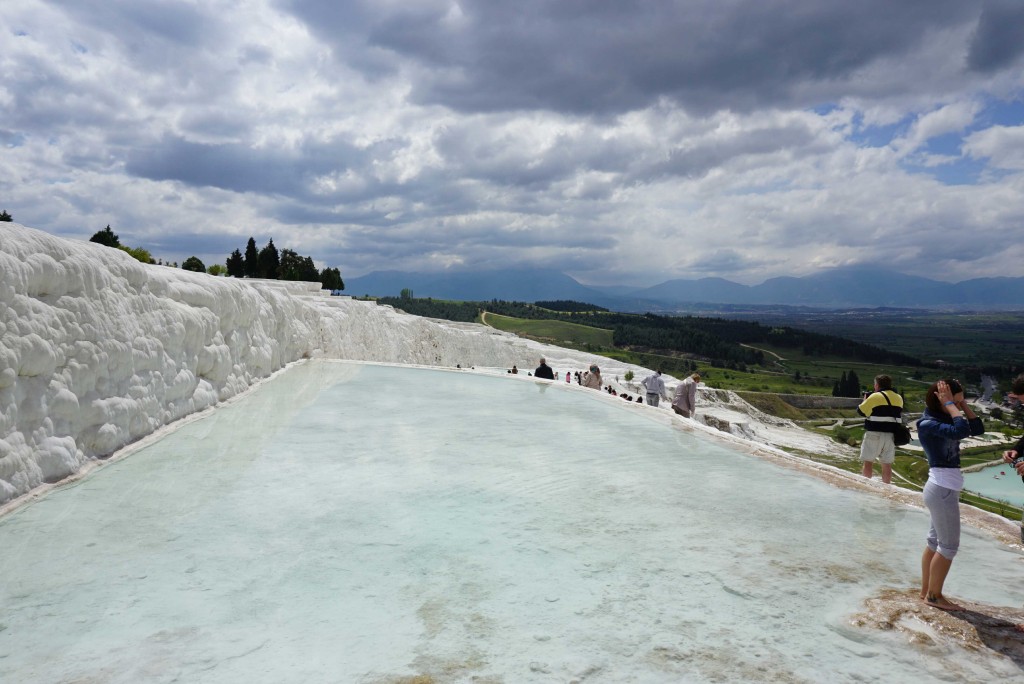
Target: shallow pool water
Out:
[359,523]
[997,482]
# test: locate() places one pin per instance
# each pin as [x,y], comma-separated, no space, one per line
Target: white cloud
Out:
[1002,145]
[406,136]
[953,118]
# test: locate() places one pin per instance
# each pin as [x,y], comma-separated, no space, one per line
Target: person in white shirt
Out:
[655,387]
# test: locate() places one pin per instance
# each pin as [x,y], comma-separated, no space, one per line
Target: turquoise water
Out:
[351,523]
[997,482]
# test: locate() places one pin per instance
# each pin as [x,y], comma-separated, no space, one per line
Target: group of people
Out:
[684,400]
[947,419]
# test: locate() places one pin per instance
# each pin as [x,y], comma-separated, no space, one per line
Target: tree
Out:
[289,266]
[235,265]
[252,260]
[5,217]
[297,267]
[139,253]
[853,385]
[269,261]
[308,272]
[839,388]
[106,237]
[330,278]
[216,269]
[194,263]
[406,293]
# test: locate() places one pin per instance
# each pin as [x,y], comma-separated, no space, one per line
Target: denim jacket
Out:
[940,437]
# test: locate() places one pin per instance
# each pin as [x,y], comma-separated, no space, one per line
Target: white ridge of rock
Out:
[98,350]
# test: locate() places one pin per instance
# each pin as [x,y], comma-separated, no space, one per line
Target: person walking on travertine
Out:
[882,411]
[655,387]
[592,378]
[544,371]
[685,400]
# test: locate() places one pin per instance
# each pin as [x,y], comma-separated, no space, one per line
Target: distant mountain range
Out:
[849,287]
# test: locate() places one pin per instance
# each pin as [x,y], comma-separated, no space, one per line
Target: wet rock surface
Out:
[978,629]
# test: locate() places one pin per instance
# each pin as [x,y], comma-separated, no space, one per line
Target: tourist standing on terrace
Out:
[883,410]
[655,387]
[1016,395]
[947,419]
[544,371]
[685,400]
[592,378]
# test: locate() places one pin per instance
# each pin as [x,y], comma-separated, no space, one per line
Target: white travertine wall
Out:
[98,350]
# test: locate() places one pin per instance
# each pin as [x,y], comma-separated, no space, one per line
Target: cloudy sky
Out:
[623,142]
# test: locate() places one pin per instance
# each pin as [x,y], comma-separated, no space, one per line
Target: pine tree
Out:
[252,260]
[853,387]
[106,237]
[235,265]
[5,217]
[269,261]
[839,390]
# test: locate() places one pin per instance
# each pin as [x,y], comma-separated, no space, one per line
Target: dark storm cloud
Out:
[238,167]
[590,57]
[999,39]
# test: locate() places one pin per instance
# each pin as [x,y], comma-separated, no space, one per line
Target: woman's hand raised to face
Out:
[950,404]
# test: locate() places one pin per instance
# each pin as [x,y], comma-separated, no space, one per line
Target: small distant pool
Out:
[997,482]
[360,523]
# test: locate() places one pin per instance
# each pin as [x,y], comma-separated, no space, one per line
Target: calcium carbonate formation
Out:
[98,350]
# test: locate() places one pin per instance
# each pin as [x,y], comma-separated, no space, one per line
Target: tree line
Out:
[264,263]
[720,341]
[284,265]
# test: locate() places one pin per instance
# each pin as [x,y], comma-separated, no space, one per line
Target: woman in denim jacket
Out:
[946,420]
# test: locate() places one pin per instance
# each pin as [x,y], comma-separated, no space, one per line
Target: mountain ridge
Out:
[844,287]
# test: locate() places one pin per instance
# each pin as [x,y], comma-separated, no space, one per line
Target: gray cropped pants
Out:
[944,506]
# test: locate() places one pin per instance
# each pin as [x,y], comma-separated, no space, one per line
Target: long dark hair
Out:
[931,397]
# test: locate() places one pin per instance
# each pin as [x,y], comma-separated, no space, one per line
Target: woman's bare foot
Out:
[941,602]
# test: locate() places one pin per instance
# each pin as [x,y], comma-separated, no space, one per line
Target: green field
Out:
[559,333]
[968,338]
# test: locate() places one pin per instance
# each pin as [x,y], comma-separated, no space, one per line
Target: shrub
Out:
[139,253]
[194,263]
[841,435]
